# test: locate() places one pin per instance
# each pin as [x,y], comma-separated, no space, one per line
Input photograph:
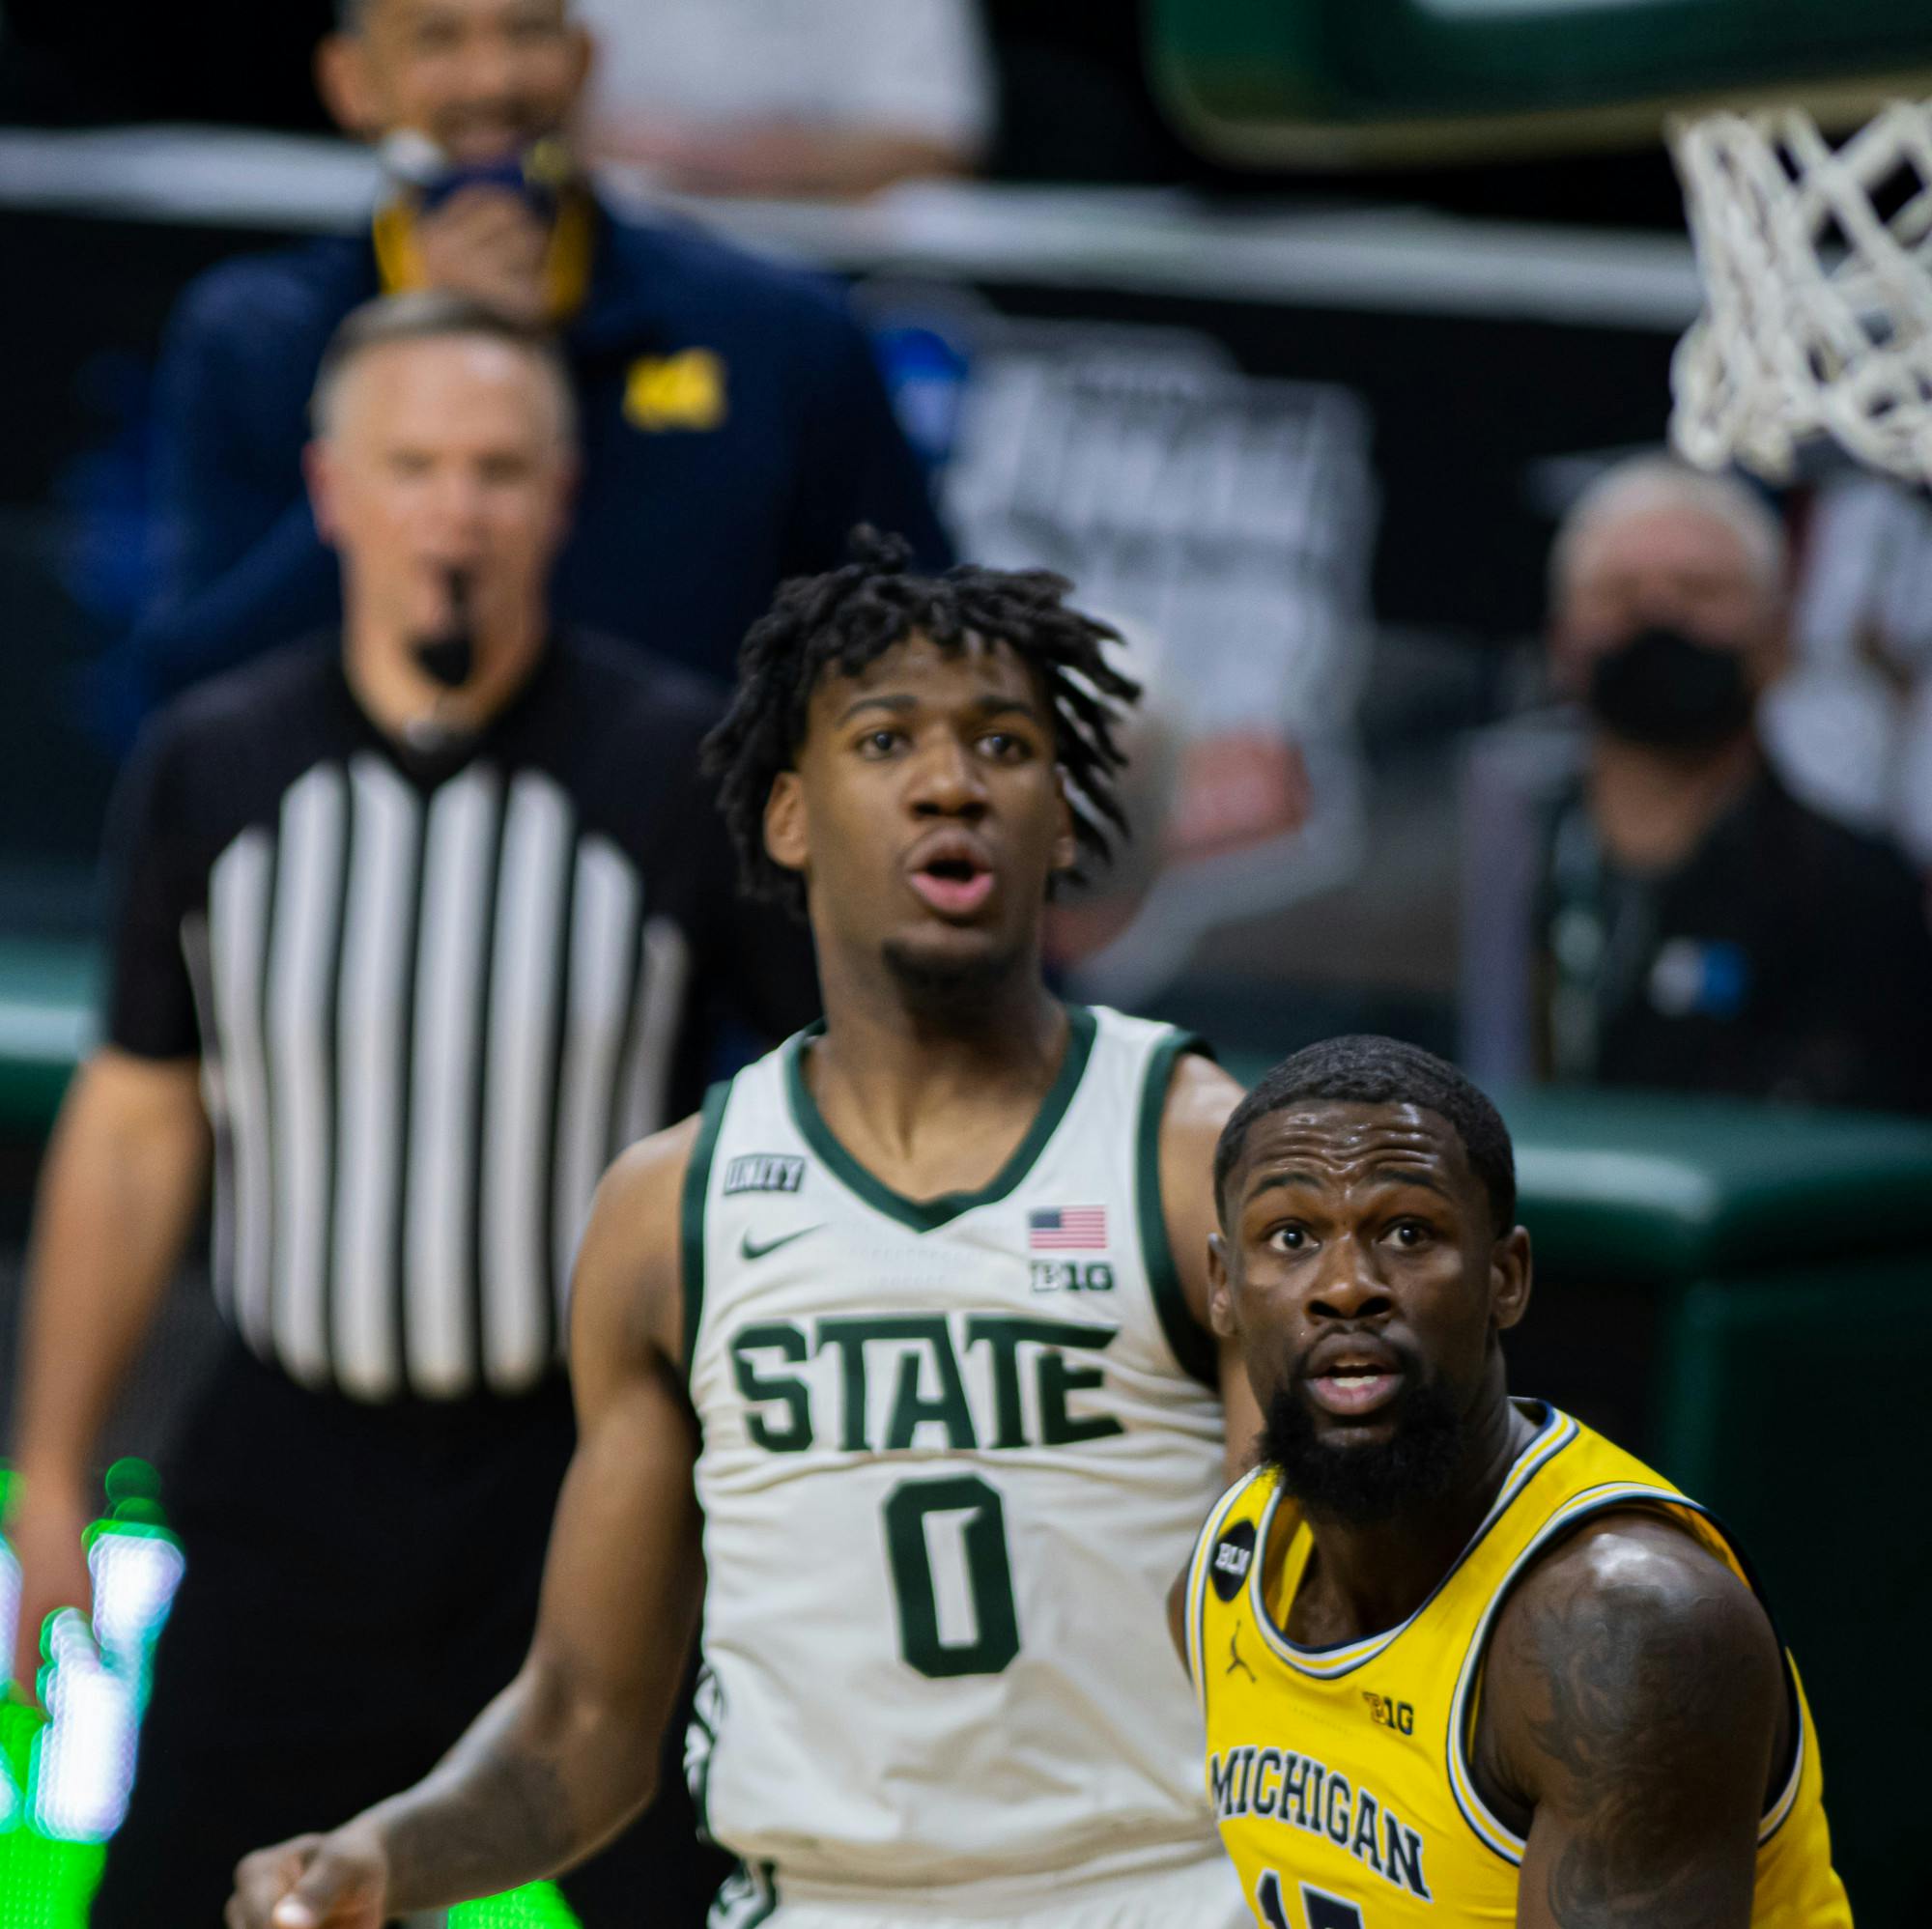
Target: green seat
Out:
[48,992]
[1743,1295]
[1653,1190]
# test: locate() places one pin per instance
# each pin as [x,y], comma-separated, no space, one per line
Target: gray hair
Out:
[432,317]
[1644,483]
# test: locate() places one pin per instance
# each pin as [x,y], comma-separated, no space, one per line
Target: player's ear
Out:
[1510,1278]
[1066,844]
[347,86]
[318,472]
[1220,1298]
[786,841]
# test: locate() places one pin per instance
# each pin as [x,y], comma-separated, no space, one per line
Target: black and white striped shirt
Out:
[431,997]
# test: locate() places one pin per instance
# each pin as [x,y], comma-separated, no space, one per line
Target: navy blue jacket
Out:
[683,530]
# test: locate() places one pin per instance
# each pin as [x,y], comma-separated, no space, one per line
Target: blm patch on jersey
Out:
[764,1172]
[1233,1556]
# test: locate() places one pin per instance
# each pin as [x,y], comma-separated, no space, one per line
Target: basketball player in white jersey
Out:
[902,1343]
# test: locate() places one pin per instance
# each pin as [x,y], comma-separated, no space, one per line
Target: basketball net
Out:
[1817,268]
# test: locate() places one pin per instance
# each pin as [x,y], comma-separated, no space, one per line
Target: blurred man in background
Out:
[1699,927]
[765,96]
[734,427]
[416,917]
[1850,728]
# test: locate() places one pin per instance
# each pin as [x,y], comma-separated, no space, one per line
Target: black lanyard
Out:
[1600,932]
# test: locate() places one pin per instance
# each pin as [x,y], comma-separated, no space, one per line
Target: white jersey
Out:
[953,1453]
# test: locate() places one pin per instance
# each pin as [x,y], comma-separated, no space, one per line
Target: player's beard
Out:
[1367,1483]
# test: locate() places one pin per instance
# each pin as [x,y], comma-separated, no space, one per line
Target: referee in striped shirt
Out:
[414,928]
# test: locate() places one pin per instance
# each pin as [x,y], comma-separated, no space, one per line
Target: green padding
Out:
[1648,1190]
[48,1002]
[1301,75]
[1794,1405]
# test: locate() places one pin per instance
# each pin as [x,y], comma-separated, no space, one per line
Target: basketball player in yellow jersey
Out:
[1461,1661]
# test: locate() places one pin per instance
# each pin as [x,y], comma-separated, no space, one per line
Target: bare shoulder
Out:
[649,1174]
[627,1296]
[1643,1567]
[1199,1096]
[1632,1650]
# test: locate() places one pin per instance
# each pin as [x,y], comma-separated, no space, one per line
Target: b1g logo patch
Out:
[1233,1556]
[1388,1713]
[1071,1276]
[764,1172]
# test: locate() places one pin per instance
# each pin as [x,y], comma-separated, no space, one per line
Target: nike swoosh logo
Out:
[750,1249]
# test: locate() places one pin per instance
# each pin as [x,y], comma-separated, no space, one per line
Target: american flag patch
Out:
[1068,1229]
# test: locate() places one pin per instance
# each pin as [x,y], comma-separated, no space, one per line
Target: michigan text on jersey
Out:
[1300,1792]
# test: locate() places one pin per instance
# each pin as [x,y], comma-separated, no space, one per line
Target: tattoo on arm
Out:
[1649,1723]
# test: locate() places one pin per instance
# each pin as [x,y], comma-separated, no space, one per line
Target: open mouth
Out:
[1351,1393]
[954,883]
[1355,1380]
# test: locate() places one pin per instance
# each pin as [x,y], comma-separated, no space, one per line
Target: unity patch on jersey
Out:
[764,1172]
[1068,1229]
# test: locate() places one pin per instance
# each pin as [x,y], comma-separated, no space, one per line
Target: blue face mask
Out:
[538,173]
[1667,691]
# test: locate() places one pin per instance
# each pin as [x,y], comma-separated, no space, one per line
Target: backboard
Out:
[1347,83]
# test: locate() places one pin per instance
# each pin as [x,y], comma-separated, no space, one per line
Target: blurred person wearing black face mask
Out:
[1701,929]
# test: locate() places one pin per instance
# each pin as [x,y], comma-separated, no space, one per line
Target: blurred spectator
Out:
[734,426]
[836,98]
[1850,728]
[1184,797]
[426,919]
[1230,522]
[1700,928]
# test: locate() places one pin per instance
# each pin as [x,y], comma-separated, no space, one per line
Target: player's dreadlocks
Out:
[850,616]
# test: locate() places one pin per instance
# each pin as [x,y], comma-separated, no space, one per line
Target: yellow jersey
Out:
[1340,1775]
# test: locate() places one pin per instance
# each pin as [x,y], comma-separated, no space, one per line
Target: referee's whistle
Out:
[450,659]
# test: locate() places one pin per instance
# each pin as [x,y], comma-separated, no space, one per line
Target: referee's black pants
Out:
[361,1581]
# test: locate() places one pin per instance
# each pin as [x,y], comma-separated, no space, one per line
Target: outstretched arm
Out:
[1633,1701]
[567,1753]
